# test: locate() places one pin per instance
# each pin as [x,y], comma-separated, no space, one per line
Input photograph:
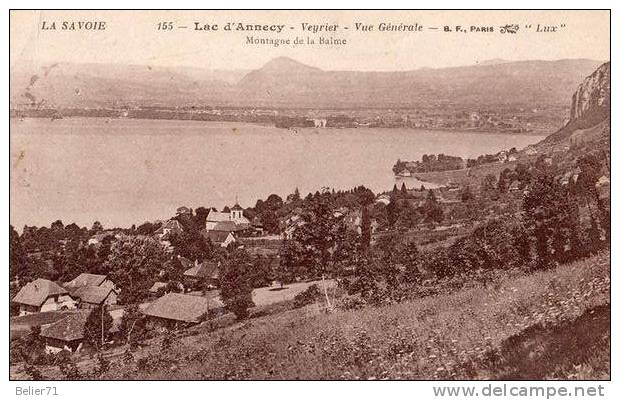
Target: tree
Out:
[522,173]
[366,228]
[318,235]
[521,243]
[57,225]
[34,373]
[97,227]
[505,179]
[590,167]
[488,184]
[365,280]
[392,248]
[287,268]
[549,216]
[29,348]
[133,325]
[103,365]
[147,228]
[431,208]
[192,245]
[235,283]
[17,256]
[467,194]
[392,210]
[97,327]
[294,197]
[133,264]
[200,219]
[267,212]
[408,217]
[403,190]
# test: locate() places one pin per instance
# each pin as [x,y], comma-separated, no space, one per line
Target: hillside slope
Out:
[471,334]
[491,331]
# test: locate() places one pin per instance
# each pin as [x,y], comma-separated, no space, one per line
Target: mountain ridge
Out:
[285,82]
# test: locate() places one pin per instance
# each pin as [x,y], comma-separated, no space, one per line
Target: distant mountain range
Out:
[284,82]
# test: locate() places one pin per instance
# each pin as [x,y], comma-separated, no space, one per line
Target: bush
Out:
[33,372]
[351,303]
[308,296]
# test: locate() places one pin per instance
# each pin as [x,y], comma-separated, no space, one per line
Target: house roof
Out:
[185,262]
[226,226]
[156,286]
[86,280]
[36,292]
[217,236]
[68,329]
[182,307]
[171,224]
[231,226]
[92,294]
[204,270]
[603,180]
[215,216]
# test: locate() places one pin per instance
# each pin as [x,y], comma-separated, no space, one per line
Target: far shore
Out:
[292,129]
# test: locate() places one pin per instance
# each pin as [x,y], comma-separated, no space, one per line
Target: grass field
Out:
[467,176]
[556,320]
[546,325]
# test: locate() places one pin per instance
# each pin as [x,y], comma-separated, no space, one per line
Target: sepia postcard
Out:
[208,195]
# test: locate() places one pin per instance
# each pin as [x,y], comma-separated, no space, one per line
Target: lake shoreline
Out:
[296,129]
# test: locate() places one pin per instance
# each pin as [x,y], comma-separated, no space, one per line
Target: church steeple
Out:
[236,212]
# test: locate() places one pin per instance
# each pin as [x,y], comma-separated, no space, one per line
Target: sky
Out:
[132,37]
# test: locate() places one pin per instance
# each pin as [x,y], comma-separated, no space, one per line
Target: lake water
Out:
[129,171]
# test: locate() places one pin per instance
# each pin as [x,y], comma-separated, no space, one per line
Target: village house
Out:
[514,186]
[201,274]
[603,187]
[176,310]
[290,224]
[94,296]
[232,221]
[602,181]
[157,287]
[258,228]
[92,290]
[43,295]
[68,332]
[86,279]
[383,199]
[353,221]
[170,227]
[65,334]
[221,238]
[566,178]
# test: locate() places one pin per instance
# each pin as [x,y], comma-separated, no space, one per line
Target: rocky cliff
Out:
[590,110]
[593,95]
